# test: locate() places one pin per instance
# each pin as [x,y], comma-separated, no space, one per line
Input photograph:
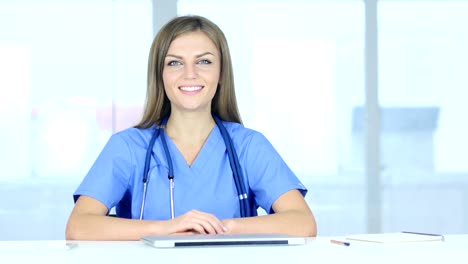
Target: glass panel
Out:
[299,75]
[69,69]
[423,95]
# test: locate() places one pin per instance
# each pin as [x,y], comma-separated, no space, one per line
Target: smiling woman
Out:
[190,133]
[191,74]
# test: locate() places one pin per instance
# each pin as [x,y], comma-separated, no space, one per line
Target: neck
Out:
[189,127]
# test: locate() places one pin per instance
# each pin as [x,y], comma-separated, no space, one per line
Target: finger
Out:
[191,232]
[199,229]
[197,221]
[211,224]
[201,225]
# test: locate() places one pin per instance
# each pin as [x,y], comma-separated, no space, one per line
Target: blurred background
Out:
[363,99]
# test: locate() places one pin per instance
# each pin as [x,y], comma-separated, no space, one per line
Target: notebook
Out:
[222,240]
[396,237]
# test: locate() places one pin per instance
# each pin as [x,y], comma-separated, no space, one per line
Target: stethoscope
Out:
[233,161]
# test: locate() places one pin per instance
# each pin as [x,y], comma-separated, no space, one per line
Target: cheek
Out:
[168,80]
[215,77]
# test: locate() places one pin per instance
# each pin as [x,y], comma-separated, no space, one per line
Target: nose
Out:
[190,72]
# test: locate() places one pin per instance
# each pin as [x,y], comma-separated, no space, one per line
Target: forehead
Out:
[195,42]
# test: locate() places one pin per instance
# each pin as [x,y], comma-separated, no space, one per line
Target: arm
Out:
[88,221]
[292,216]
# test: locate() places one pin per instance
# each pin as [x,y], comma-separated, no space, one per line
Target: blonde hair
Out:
[157,105]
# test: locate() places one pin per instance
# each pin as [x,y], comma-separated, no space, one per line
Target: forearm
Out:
[293,222]
[98,227]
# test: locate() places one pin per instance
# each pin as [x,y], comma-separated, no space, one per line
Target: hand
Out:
[231,226]
[196,222]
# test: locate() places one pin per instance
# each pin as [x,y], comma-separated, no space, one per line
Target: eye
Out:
[205,61]
[174,63]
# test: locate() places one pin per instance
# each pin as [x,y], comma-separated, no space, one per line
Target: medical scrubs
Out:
[116,177]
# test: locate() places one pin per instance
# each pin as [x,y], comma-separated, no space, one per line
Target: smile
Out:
[190,88]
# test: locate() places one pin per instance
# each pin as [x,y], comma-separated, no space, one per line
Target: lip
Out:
[191,89]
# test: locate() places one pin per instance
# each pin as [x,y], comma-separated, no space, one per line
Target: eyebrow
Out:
[197,56]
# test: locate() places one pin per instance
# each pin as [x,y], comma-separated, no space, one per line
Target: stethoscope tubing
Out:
[171,170]
[146,168]
[235,166]
[233,161]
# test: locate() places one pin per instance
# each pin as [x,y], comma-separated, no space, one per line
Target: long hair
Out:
[157,105]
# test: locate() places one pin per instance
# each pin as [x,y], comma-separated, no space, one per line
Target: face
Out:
[191,72]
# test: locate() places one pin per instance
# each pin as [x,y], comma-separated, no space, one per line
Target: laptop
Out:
[222,240]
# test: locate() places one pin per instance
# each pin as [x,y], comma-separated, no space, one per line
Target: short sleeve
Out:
[268,174]
[108,178]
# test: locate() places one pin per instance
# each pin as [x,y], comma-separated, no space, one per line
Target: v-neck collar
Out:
[210,147]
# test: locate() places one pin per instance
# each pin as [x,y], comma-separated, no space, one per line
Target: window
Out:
[72,73]
[299,72]
[422,90]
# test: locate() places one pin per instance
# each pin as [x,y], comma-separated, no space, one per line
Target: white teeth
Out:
[190,88]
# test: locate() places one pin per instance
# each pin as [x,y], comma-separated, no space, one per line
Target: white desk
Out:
[319,250]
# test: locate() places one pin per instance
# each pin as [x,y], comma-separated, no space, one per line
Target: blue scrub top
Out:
[115,179]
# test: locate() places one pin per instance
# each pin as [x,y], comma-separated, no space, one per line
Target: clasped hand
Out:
[196,222]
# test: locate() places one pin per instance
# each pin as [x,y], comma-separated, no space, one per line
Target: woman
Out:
[190,89]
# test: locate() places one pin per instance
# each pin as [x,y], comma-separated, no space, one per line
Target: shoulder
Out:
[132,137]
[125,147]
